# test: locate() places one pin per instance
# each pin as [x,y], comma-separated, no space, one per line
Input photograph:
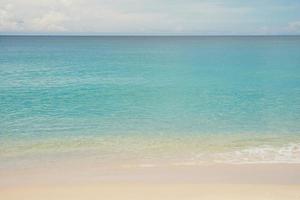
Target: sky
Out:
[196,17]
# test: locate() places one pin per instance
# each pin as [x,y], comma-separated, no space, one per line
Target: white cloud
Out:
[8,21]
[72,16]
[294,27]
[52,21]
[30,15]
[289,28]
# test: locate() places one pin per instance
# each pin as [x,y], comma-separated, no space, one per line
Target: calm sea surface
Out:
[171,100]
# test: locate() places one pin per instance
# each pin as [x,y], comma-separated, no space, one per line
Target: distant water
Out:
[171,100]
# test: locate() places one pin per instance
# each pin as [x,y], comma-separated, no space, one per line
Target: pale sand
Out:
[146,191]
[224,182]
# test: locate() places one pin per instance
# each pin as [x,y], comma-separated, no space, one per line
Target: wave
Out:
[289,153]
[264,154]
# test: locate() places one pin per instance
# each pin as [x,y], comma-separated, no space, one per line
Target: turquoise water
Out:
[179,98]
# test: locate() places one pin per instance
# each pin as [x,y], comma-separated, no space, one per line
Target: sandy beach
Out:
[133,191]
[257,181]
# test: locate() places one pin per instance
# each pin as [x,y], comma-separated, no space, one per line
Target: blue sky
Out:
[200,17]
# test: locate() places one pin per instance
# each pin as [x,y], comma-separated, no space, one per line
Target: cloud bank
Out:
[149,16]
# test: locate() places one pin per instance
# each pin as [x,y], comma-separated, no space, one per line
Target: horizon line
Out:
[150,35]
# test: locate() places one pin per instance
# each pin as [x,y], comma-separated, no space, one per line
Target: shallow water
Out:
[176,99]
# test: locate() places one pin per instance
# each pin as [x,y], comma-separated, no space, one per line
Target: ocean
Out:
[149,100]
